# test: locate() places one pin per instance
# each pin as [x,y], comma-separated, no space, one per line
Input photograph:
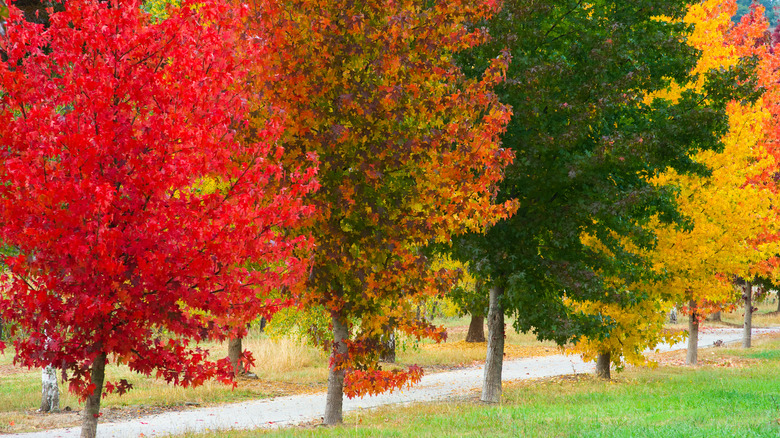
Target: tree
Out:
[695,264]
[770,10]
[409,155]
[587,140]
[470,297]
[144,220]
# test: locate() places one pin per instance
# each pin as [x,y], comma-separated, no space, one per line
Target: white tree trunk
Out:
[494,362]
[748,327]
[693,335]
[50,390]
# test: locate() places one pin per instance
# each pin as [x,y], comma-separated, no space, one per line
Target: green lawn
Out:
[740,397]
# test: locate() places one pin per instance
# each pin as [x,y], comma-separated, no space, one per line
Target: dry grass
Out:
[283,366]
[765,316]
[287,360]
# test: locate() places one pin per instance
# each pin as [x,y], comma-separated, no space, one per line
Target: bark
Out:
[335,398]
[491,388]
[778,303]
[714,317]
[603,362]
[50,390]
[434,310]
[748,327]
[388,345]
[693,336]
[234,354]
[89,418]
[476,329]
[263,323]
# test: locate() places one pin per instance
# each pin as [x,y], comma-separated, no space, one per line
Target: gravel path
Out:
[286,411]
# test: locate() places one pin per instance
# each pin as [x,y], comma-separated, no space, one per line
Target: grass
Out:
[737,395]
[765,316]
[283,366]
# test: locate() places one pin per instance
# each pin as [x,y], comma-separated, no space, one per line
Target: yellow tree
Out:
[726,213]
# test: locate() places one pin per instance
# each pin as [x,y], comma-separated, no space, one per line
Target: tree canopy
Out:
[587,140]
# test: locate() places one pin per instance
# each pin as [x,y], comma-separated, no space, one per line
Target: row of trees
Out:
[168,177]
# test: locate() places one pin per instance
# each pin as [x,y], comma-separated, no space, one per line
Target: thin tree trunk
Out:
[778,303]
[748,327]
[434,310]
[494,362]
[693,335]
[50,390]
[603,362]
[335,398]
[714,317]
[388,345]
[476,329]
[89,418]
[234,354]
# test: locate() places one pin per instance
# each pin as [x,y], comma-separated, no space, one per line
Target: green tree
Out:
[586,140]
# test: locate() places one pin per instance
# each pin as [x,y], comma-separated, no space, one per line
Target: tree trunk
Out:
[693,335]
[388,345]
[603,362]
[491,388]
[234,354]
[748,327]
[263,323]
[714,317]
[778,302]
[476,329]
[50,390]
[91,412]
[335,398]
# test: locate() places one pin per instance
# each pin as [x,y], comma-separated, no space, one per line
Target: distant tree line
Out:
[771,15]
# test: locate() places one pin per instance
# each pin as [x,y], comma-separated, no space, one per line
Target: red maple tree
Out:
[143,219]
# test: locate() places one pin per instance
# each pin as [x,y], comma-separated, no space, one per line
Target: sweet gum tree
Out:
[586,142]
[726,211]
[731,210]
[409,154]
[113,127]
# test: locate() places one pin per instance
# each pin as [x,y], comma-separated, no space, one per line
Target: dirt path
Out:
[286,411]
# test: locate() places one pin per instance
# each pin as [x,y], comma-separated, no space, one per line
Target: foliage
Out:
[587,140]
[110,123]
[729,212]
[408,149]
[743,8]
[469,295]
[727,215]
[308,324]
[727,397]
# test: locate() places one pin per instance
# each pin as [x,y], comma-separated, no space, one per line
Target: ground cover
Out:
[733,393]
[284,366]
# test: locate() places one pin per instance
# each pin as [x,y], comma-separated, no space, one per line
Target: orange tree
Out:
[408,151]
